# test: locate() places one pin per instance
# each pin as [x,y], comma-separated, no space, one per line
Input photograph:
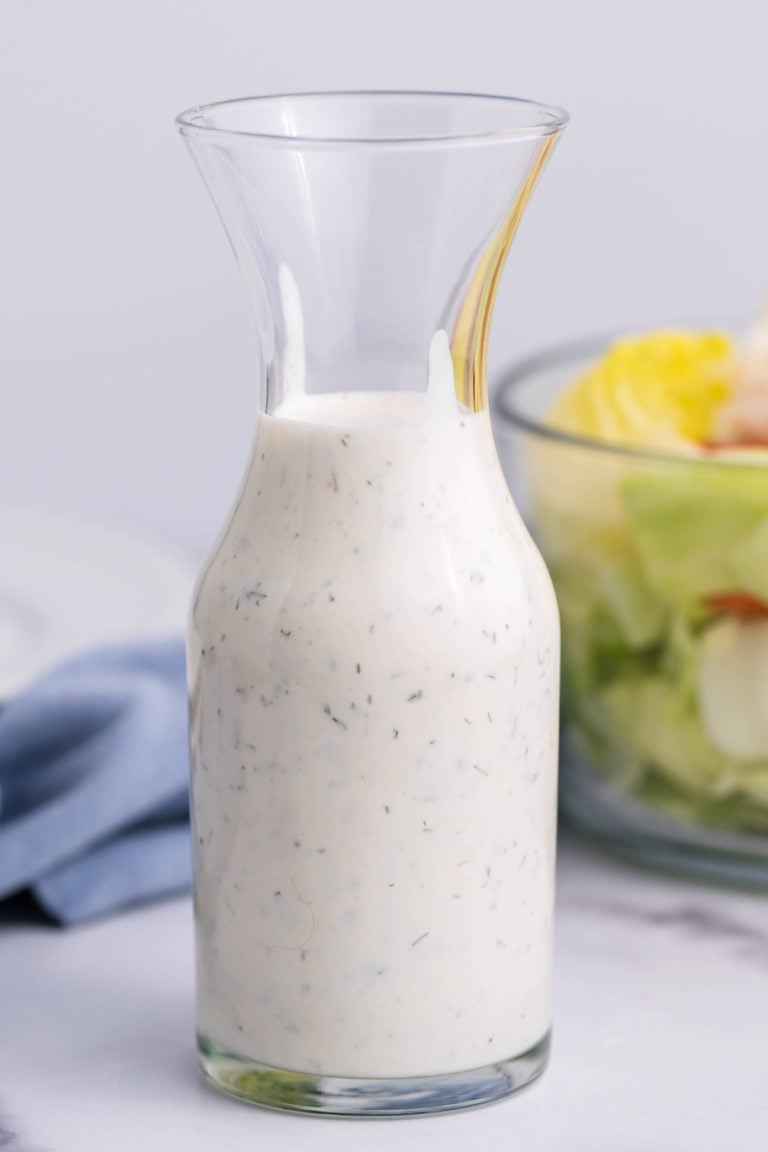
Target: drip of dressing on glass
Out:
[295,358]
[441,389]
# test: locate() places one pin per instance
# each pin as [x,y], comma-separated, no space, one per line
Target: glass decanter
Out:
[373,644]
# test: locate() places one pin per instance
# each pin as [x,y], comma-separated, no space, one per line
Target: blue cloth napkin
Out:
[93,783]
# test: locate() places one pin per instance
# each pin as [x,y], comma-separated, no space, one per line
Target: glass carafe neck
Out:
[372,230]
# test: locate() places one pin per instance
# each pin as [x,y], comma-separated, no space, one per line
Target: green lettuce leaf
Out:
[699,530]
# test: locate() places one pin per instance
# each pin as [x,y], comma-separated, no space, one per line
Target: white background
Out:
[126,356]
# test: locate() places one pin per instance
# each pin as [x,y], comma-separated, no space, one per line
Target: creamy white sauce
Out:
[373,659]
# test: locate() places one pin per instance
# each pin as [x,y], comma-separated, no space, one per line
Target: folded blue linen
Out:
[94,798]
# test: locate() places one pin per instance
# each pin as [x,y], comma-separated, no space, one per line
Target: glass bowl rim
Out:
[575,351]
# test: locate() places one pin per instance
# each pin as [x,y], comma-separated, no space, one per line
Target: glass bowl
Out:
[660,565]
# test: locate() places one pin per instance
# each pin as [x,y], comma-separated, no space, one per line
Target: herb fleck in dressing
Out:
[374,745]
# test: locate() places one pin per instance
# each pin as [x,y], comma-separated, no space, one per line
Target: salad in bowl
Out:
[642,466]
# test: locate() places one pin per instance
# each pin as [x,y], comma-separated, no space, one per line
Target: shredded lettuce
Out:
[635,621]
[699,530]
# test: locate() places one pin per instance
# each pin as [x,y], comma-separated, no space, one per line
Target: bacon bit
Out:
[715,446]
[742,604]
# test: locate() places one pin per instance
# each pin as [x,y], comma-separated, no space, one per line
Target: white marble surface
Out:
[660,1037]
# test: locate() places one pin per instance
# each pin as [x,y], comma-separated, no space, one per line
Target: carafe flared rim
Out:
[485,119]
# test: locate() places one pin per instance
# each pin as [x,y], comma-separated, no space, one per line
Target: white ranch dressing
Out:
[374,657]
